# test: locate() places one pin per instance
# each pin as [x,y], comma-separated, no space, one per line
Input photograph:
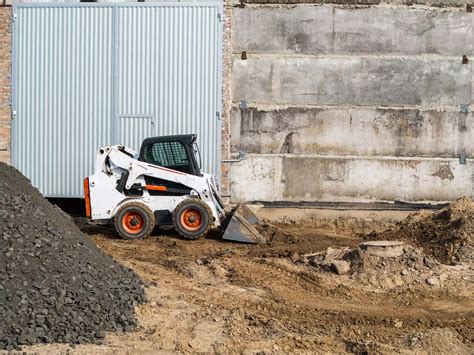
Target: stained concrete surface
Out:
[352,81]
[430,3]
[352,131]
[366,30]
[350,178]
[352,103]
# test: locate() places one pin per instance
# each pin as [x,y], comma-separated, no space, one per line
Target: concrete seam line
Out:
[422,57]
[446,8]
[353,157]
[268,106]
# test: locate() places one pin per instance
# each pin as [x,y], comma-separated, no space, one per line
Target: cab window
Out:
[170,155]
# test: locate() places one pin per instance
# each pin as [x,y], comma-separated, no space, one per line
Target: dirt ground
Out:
[210,295]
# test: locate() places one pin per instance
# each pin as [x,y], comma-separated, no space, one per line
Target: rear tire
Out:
[134,220]
[192,218]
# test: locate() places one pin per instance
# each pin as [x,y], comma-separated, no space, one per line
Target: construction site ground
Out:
[215,296]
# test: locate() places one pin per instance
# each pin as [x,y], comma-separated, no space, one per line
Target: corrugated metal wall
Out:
[86,75]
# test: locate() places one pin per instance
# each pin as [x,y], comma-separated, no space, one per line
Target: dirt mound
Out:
[274,235]
[347,225]
[445,234]
[55,284]
[411,268]
[403,266]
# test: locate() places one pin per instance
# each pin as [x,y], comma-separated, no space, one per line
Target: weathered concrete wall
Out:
[373,30]
[353,81]
[352,103]
[436,3]
[5,83]
[353,131]
[345,178]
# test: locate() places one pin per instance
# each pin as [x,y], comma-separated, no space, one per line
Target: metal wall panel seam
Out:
[114,63]
[220,50]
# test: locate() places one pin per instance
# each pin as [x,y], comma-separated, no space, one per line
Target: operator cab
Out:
[173,152]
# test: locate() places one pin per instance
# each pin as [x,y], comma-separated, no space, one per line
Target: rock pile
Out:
[411,268]
[55,284]
[333,259]
[446,234]
[382,270]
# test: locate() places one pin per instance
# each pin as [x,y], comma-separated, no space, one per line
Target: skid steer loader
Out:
[162,185]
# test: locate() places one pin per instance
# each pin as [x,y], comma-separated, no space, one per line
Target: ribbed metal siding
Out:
[86,75]
[63,77]
[173,75]
[133,130]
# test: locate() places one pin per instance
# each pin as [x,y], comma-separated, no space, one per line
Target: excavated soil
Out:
[446,234]
[214,296]
[55,284]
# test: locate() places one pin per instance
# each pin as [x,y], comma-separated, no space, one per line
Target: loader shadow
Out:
[169,232]
[75,209]
[108,231]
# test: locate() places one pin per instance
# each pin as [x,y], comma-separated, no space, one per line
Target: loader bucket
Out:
[248,215]
[238,226]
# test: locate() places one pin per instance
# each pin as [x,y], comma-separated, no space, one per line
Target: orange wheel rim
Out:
[133,222]
[191,219]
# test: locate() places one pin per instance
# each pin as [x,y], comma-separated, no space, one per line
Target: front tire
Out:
[134,220]
[192,218]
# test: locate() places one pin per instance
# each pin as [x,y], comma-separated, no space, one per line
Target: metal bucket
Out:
[239,224]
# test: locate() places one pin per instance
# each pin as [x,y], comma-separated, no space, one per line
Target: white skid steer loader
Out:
[162,185]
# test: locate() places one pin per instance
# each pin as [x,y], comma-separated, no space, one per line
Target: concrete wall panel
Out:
[355,179]
[352,81]
[437,3]
[352,104]
[379,132]
[336,30]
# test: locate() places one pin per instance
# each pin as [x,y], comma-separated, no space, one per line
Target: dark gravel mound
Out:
[445,234]
[55,284]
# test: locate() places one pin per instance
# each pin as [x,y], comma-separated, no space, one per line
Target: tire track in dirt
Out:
[266,300]
[341,305]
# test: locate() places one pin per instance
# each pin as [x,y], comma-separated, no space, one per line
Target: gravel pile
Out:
[55,284]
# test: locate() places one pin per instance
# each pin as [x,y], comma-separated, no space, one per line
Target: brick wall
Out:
[5,83]
[226,97]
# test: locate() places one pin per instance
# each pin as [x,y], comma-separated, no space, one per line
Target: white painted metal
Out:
[88,75]
[106,200]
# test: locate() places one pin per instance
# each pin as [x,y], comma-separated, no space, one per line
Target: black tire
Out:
[134,220]
[192,218]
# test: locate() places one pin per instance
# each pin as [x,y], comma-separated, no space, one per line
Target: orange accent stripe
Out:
[156,188]
[87,197]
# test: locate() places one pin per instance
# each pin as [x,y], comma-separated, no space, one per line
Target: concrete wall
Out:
[341,103]
[350,178]
[353,131]
[360,81]
[345,30]
[344,103]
